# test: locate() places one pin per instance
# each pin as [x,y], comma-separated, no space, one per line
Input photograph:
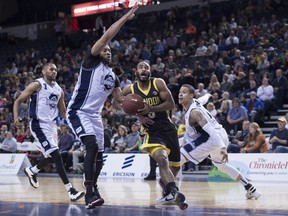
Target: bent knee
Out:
[162,161]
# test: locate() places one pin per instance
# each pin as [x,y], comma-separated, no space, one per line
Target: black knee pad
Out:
[90,143]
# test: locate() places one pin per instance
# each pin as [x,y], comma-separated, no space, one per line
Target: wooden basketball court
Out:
[137,197]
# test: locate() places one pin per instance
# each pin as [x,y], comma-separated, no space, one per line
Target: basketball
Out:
[131,103]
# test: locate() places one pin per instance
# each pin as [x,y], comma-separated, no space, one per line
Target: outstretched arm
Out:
[112,31]
[204,99]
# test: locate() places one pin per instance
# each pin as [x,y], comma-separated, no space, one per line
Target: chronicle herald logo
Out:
[128,161]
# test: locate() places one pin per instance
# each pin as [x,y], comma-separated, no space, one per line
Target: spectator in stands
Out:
[146,54]
[239,140]
[259,55]
[213,79]
[226,84]
[200,91]
[280,87]
[9,144]
[222,114]
[4,129]
[236,115]
[221,42]
[264,64]
[13,70]
[202,49]
[118,143]
[198,73]
[252,87]
[232,41]
[211,108]
[65,143]
[158,50]
[265,92]
[28,137]
[132,139]
[107,134]
[220,69]
[215,89]
[255,108]
[238,60]
[76,154]
[20,135]
[212,48]
[216,101]
[158,68]
[239,84]
[125,81]
[171,41]
[279,136]
[255,143]
[184,49]
[185,77]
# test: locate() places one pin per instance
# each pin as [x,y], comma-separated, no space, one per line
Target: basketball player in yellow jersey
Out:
[161,141]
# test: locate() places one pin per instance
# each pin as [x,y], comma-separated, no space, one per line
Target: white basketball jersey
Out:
[193,132]
[44,103]
[92,89]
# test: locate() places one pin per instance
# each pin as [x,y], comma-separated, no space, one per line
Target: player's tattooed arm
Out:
[196,118]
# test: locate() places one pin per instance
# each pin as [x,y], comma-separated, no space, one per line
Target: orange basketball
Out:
[132,103]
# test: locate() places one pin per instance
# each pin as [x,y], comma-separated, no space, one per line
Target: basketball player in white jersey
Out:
[46,101]
[205,137]
[96,82]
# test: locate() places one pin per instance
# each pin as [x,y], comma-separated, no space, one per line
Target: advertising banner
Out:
[256,167]
[12,164]
[125,165]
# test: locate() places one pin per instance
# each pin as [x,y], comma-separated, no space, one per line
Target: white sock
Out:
[68,186]
[35,169]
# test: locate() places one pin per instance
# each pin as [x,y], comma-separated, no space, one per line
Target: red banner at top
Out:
[103,6]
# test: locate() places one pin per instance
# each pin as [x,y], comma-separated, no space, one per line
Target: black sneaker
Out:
[92,200]
[150,177]
[32,177]
[75,195]
[96,192]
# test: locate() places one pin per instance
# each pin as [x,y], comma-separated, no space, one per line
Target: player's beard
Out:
[143,80]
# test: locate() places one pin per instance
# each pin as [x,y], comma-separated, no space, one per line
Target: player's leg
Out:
[91,152]
[161,157]
[43,134]
[72,192]
[99,131]
[172,196]
[83,127]
[216,158]
[174,158]
[31,172]
[99,165]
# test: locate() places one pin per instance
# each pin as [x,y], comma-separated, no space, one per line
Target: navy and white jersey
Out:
[96,82]
[44,103]
[194,132]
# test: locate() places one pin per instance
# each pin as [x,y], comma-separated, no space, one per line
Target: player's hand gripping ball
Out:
[132,103]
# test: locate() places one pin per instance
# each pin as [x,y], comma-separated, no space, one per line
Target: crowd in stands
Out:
[234,50]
